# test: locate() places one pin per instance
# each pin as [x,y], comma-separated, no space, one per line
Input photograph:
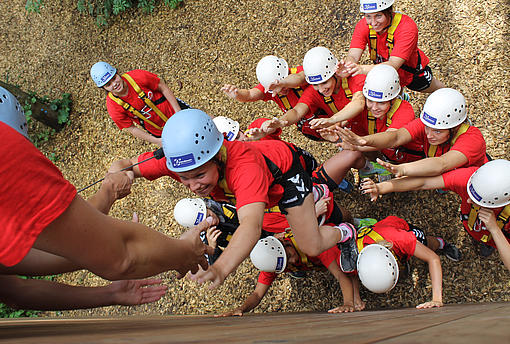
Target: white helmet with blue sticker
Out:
[102,72]
[190,139]
[377,268]
[445,108]
[189,212]
[227,126]
[319,64]
[382,83]
[271,68]
[489,186]
[11,112]
[372,6]
[269,255]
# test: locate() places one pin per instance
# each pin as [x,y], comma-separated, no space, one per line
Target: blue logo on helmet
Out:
[429,119]
[476,196]
[368,7]
[230,136]
[200,217]
[182,161]
[375,94]
[106,77]
[315,78]
[279,264]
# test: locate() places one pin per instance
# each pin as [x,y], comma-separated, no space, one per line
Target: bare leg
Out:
[339,164]
[434,85]
[432,243]
[311,239]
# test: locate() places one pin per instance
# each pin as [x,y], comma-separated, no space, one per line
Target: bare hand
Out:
[351,68]
[368,186]
[359,305]
[212,236]
[213,275]
[489,219]
[397,170]
[271,125]
[350,140]
[342,309]
[230,90]
[318,123]
[255,134]
[430,304]
[119,183]
[235,313]
[321,206]
[197,249]
[137,292]
[276,87]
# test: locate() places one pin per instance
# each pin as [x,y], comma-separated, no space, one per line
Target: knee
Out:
[311,248]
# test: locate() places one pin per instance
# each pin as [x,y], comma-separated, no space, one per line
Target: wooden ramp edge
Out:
[467,323]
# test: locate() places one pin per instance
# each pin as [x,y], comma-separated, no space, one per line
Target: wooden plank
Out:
[453,324]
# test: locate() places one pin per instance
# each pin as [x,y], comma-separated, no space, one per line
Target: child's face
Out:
[378,20]
[115,85]
[326,88]
[201,180]
[290,250]
[437,136]
[378,109]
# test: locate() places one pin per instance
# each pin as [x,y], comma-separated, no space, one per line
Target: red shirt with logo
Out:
[33,193]
[148,82]
[289,100]
[405,45]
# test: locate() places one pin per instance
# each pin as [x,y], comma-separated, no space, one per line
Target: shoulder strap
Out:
[345,87]
[372,36]
[144,97]
[391,31]
[126,106]
[285,102]
[372,129]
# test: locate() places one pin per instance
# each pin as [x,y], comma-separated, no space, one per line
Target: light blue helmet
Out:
[102,72]
[11,112]
[190,139]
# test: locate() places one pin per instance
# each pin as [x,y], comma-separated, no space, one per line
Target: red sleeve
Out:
[329,256]
[360,36]
[403,116]
[472,145]
[457,180]
[33,193]
[266,278]
[396,230]
[145,79]
[417,130]
[356,83]
[310,98]
[406,39]
[153,169]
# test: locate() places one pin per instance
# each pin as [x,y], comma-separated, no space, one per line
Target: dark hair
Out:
[388,12]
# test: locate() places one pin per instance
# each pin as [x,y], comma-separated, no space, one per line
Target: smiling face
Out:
[437,136]
[326,88]
[378,20]
[116,85]
[201,180]
[378,109]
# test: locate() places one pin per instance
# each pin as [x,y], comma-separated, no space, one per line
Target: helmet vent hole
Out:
[202,138]
[196,135]
[196,142]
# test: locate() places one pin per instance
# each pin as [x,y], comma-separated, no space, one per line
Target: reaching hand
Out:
[271,125]
[197,249]
[368,186]
[213,275]
[234,313]
[430,304]
[276,87]
[350,140]
[397,170]
[230,90]
[321,206]
[351,69]
[318,123]
[255,134]
[212,236]
[489,219]
[137,292]
[119,183]
[329,134]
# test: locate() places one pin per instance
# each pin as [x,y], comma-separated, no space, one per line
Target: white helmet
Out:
[319,64]
[271,68]
[269,255]
[382,83]
[489,186]
[189,212]
[102,72]
[372,6]
[11,112]
[190,139]
[377,268]
[227,126]
[445,108]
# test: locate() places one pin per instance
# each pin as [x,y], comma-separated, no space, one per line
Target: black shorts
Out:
[422,80]
[419,234]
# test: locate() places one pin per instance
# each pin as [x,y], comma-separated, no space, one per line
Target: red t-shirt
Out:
[314,100]
[402,116]
[246,172]
[396,231]
[33,193]
[148,82]
[288,101]
[325,258]
[457,181]
[471,143]
[405,45]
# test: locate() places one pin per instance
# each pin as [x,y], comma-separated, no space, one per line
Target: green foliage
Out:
[102,10]
[34,6]
[8,312]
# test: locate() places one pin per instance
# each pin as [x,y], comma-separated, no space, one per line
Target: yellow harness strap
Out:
[303,257]
[285,102]
[389,39]
[345,87]
[502,219]
[433,148]
[372,129]
[145,99]
[298,91]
